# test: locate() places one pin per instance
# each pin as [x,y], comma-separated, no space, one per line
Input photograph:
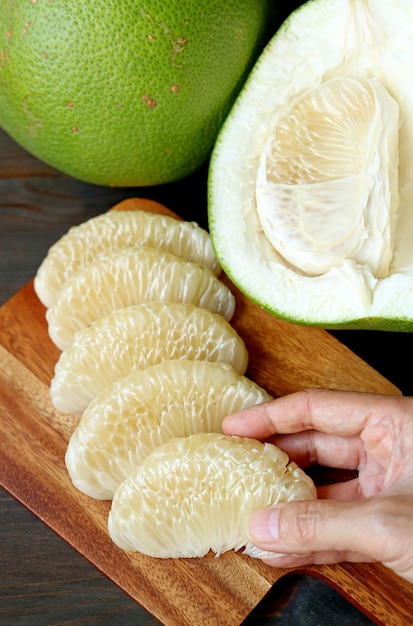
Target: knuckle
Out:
[299,525]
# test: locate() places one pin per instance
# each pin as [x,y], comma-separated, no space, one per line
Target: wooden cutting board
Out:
[208,591]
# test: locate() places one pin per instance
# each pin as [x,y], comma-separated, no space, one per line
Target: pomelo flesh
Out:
[194,494]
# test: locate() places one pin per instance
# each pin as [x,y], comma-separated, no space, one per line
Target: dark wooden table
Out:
[42,580]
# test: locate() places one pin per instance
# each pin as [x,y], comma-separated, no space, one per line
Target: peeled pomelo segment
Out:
[196,493]
[115,230]
[137,337]
[130,418]
[132,276]
[327,181]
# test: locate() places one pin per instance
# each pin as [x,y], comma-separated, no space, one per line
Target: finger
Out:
[342,413]
[306,528]
[316,558]
[251,422]
[373,529]
[346,490]
[310,447]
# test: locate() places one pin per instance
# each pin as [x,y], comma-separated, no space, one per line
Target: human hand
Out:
[368,518]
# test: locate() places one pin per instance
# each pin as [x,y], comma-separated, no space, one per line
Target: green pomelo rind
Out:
[125,93]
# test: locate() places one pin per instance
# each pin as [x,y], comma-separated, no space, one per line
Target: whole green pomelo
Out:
[124,92]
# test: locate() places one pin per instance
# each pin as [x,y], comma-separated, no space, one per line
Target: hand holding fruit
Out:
[369,518]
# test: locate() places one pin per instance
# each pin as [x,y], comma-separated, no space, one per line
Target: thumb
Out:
[319,531]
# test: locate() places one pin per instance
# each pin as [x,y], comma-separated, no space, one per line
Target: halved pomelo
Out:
[196,493]
[130,418]
[310,188]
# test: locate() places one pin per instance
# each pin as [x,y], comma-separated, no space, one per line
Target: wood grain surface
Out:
[283,358]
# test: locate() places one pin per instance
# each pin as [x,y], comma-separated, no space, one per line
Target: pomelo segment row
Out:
[152,365]
[196,493]
[130,418]
[115,230]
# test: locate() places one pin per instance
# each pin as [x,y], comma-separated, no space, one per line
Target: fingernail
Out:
[263,526]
